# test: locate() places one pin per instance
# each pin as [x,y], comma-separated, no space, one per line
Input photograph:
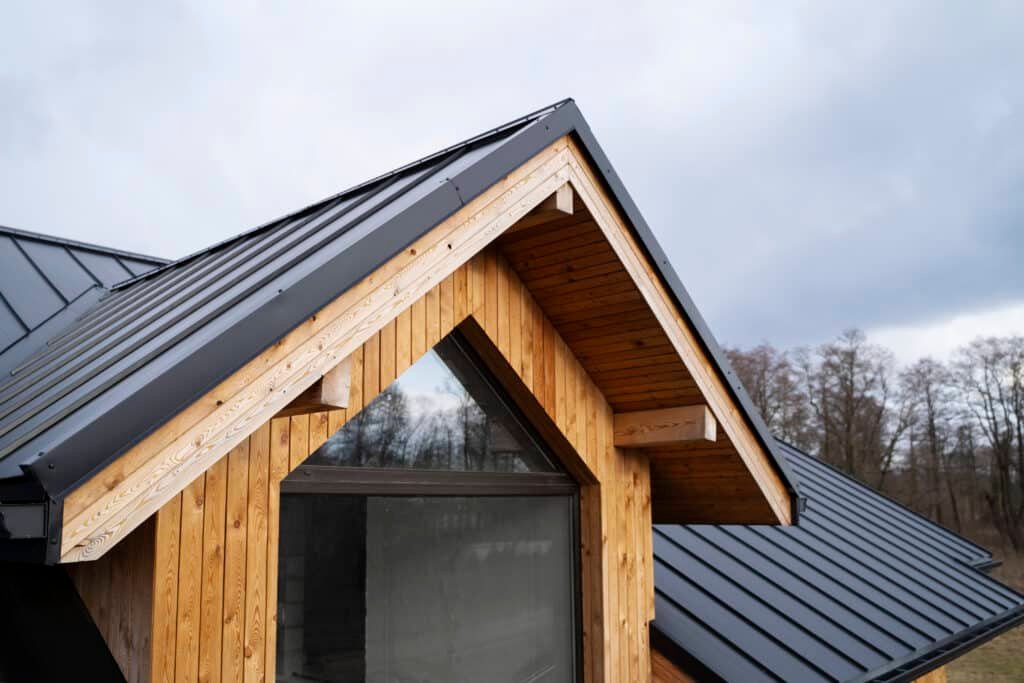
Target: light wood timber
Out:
[663,670]
[558,205]
[329,392]
[663,427]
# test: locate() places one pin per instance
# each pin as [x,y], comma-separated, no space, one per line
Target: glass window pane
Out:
[443,413]
[447,589]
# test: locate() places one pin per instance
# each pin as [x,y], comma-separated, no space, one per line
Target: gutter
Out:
[918,664]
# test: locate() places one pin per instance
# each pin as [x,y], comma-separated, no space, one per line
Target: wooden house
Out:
[419,430]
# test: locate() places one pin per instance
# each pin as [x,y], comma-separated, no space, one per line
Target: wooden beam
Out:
[558,205]
[559,202]
[664,427]
[327,393]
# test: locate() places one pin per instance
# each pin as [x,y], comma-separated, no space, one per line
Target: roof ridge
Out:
[87,246]
[405,168]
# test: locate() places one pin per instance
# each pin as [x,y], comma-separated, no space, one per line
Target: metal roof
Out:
[46,282]
[160,341]
[860,589]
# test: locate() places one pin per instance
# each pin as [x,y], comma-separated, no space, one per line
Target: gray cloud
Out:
[807,168]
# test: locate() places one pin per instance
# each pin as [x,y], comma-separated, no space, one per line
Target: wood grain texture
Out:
[664,671]
[664,427]
[610,552]
[211,623]
[167,555]
[330,391]
[233,635]
[190,579]
[118,592]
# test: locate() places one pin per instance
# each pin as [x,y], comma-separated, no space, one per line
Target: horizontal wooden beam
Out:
[558,205]
[664,427]
[327,393]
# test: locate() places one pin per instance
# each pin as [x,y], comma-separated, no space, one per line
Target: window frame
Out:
[416,482]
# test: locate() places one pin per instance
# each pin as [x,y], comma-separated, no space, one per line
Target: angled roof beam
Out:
[665,427]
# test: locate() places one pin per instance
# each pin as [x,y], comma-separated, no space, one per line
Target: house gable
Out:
[109,505]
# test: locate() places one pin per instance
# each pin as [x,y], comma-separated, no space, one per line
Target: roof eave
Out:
[575,124]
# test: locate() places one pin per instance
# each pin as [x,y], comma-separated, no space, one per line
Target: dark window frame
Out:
[376,481]
[415,482]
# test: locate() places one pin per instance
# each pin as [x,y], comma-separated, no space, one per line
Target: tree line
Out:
[944,438]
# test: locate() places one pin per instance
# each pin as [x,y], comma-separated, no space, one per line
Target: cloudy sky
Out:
[807,168]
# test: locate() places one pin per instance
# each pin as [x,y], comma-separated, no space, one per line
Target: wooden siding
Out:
[118,592]
[214,583]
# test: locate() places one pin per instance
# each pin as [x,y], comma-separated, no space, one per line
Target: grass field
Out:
[1000,659]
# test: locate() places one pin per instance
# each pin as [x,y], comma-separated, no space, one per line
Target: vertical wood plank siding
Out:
[214,588]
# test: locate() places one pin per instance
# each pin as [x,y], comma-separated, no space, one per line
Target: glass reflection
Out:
[441,414]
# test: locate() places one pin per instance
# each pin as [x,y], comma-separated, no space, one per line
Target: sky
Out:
[806,167]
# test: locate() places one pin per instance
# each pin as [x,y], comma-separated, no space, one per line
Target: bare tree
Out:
[771,379]
[990,373]
[928,386]
[861,416]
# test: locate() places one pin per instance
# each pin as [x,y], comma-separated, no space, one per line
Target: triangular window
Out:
[443,413]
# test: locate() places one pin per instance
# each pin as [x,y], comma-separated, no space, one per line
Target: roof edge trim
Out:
[944,651]
[86,246]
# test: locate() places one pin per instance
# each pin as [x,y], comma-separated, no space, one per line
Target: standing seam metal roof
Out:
[160,341]
[860,589]
[46,282]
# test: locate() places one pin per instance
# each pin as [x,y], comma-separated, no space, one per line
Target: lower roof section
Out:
[860,589]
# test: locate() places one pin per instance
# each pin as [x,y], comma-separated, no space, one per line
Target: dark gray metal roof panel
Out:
[44,287]
[30,295]
[107,269]
[55,262]
[860,589]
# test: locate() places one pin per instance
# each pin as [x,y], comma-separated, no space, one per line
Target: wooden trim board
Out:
[667,426]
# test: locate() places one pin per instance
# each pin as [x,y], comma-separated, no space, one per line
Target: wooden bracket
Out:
[327,393]
[558,205]
[666,426]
